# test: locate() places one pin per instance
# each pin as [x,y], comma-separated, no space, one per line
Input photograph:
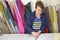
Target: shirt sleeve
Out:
[29,24]
[44,24]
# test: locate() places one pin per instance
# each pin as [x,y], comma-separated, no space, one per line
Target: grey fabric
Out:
[58,17]
[3,28]
[48,19]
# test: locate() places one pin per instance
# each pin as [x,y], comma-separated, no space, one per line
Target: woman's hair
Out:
[40,4]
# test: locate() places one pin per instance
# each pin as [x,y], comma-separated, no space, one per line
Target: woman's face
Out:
[38,10]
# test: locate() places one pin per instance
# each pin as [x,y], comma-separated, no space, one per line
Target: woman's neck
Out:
[38,15]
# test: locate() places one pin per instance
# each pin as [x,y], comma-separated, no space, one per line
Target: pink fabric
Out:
[19,23]
[22,11]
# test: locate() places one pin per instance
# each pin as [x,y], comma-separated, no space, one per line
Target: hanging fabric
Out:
[11,20]
[21,8]
[3,27]
[46,11]
[8,6]
[28,9]
[2,9]
[53,17]
[58,17]
[19,23]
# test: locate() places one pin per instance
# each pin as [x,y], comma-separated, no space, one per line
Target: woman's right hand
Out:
[36,34]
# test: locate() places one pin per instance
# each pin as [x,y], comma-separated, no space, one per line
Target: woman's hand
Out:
[36,34]
[39,32]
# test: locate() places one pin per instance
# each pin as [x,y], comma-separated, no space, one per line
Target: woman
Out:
[36,21]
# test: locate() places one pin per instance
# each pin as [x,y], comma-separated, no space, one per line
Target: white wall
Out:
[51,2]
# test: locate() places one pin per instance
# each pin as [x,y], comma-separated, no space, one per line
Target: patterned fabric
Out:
[37,24]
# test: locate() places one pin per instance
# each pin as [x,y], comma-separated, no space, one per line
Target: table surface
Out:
[46,36]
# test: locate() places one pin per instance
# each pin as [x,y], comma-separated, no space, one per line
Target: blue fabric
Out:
[9,16]
[30,20]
